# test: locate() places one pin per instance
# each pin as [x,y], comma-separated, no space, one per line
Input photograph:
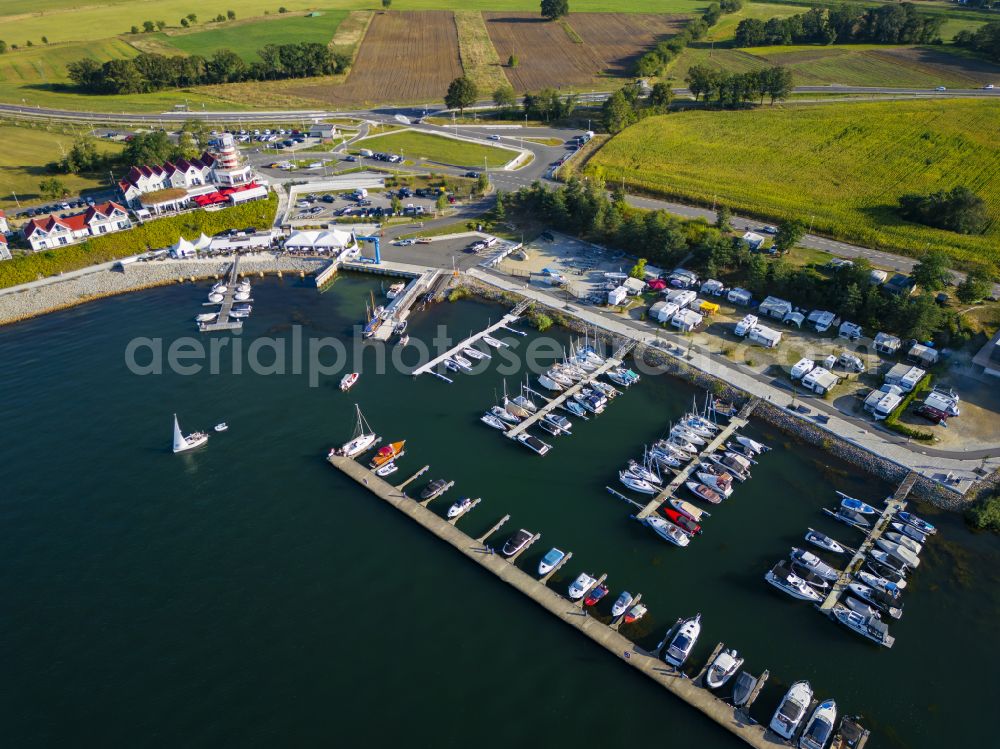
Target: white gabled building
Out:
[58,231]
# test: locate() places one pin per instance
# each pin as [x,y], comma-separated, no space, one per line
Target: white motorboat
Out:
[241,296]
[621,604]
[908,530]
[491,420]
[348,381]
[874,629]
[635,483]
[474,353]
[636,613]
[404,340]
[880,599]
[855,505]
[668,531]
[395,290]
[782,578]
[879,583]
[866,610]
[919,523]
[239,314]
[886,563]
[752,445]
[692,511]
[547,382]
[901,553]
[561,423]
[451,366]
[459,507]
[515,543]
[618,378]
[503,414]
[206,317]
[221,426]
[719,484]
[220,287]
[215,298]
[183,442]
[906,541]
[492,342]
[386,470]
[637,469]
[550,428]
[551,559]
[792,709]
[683,641]
[363,439]
[723,668]
[819,729]
[579,587]
[682,444]
[814,564]
[823,541]
[533,443]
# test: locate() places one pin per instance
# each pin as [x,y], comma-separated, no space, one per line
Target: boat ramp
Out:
[223,321]
[684,474]
[734,720]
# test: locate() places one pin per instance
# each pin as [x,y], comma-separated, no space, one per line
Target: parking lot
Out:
[374,204]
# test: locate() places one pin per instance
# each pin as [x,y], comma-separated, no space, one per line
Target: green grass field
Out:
[414,145]
[23,158]
[247,37]
[840,167]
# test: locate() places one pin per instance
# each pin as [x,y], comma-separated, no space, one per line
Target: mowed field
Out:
[245,38]
[549,56]
[405,57]
[416,145]
[841,167]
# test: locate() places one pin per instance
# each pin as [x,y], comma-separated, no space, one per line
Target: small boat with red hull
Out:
[595,595]
[682,521]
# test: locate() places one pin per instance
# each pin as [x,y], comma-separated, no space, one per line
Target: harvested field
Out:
[405,57]
[549,56]
[950,67]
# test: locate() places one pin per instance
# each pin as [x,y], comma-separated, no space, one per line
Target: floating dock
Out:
[223,322]
[733,720]
[736,422]
[894,504]
[507,319]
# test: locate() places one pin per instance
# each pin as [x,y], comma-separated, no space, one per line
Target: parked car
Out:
[769,229]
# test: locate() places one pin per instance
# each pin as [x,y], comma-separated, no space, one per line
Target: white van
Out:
[367,153]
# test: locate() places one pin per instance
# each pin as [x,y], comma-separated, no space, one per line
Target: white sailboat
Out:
[363,438]
[189,442]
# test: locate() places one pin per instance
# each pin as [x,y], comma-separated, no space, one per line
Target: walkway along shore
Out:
[620,646]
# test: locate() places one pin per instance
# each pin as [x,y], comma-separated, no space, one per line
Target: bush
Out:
[892,421]
[149,236]
[540,320]
[985,515]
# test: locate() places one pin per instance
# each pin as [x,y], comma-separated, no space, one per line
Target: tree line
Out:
[733,90]
[626,106]
[959,210]
[653,62]
[153,72]
[842,24]
[985,40]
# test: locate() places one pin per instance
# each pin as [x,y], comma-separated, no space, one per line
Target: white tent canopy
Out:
[183,248]
[203,242]
[326,240]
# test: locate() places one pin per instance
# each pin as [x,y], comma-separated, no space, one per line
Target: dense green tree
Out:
[386,4]
[482,183]
[225,66]
[504,97]
[976,285]
[134,30]
[790,233]
[932,273]
[553,9]
[661,95]
[82,158]
[231,15]
[52,188]
[462,93]
[639,269]
[148,148]
[617,112]
[959,210]
[3,46]
[723,217]
[513,61]
[148,27]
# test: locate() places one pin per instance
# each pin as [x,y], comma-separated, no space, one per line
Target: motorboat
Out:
[474,353]
[549,427]
[239,315]
[206,317]
[743,687]
[462,362]
[856,505]
[635,483]
[809,576]
[388,453]
[668,531]
[681,520]
[517,542]
[533,443]
[551,560]
[921,525]
[862,608]
[906,541]
[636,613]
[395,290]
[221,426]
[608,391]
[820,726]
[348,380]
[880,599]
[733,462]
[560,422]
[637,469]
[504,414]
[491,420]
[547,382]
[220,287]
[682,444]
[719,484]
[853,519]
[242,308]
[734,449]
[874,629]
[183,443]
[618,378]
[559,377]
[792,709]
[683,641]
[752,445]
[621,604]
[452,366]
[887,565]
[404,340]
[814,564]
[912,531]
[781,577]
[361,441]
[459,507]
[241,296]
[901,553]
[595,595]
[879,582]
[703,492]
[492,342]
[386,470]
[727,465]
[692,511]
[435,488]
[588,402]
[215,298]
[850,734]
[579,587]
[723,668]
[823,541]
[400,328]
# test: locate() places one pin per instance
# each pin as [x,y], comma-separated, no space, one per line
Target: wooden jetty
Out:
[734,721]
[735,423]
[436,361]
[223,322]
[893,505]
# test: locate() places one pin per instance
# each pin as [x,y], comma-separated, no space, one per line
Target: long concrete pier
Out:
[621,647]
[223,322]
[429,366]
[737,422]
[894,504]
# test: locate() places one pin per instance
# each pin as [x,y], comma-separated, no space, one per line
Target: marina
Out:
[225,319]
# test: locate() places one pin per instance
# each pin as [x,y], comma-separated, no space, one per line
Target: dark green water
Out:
[248,595]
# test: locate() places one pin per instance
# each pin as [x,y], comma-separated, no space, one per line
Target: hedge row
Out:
[893,422]
[151,235]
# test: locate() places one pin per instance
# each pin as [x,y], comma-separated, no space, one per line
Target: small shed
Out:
[322,130]
[820,380]
[663,311]
[766,337]
[754,241]
[774,307]
[617,295]
[713,287]
[821,320]
[887,344]
[851,331]
[739,296]
[686,320]
[921,354]
[905,376]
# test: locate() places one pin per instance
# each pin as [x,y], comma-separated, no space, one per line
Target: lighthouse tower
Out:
[228,166]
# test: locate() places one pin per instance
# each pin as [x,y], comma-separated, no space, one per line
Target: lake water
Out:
[247,594]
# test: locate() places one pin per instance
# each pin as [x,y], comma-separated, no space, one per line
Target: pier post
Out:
[413,478]
[621,619]
[494,529]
